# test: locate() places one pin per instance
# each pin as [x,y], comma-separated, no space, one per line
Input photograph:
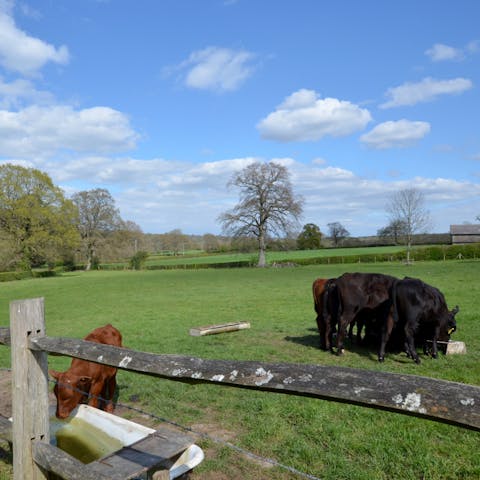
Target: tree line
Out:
[40,226]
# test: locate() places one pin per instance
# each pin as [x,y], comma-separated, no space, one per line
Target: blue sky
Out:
[161,102]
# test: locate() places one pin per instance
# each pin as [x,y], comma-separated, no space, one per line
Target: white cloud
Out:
[217,69]
[425,91]
[22,53]
[41,131]
[303,116]
[401,133]
[440,52]
[16,93]
[161,195]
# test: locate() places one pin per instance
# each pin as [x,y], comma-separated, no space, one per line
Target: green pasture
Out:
[154,310]
[272,256]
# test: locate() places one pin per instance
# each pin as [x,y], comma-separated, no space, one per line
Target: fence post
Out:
[29,387]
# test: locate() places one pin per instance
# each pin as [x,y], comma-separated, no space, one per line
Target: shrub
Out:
[137,262]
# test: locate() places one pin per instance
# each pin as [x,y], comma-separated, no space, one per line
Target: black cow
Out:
[421,311]
[364,297]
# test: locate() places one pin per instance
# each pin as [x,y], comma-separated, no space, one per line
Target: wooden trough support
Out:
[157,452]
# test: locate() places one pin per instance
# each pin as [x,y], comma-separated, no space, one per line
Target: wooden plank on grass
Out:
[214,329]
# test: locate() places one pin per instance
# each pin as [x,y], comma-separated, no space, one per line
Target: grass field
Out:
[155,310]
[276,256]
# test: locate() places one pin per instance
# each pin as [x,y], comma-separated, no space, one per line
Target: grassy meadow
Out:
[154,310]
[272,256]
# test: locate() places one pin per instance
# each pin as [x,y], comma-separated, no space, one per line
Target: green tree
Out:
[310,237]
[267,205]
[98,218]
[35,216]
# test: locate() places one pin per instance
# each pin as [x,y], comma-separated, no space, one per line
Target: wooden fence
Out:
[439,400]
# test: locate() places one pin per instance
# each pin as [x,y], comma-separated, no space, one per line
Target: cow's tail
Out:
[331,298]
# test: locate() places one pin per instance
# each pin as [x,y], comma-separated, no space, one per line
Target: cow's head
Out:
[451,323]
[70,390]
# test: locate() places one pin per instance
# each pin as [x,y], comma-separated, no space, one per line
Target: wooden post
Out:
[29,387]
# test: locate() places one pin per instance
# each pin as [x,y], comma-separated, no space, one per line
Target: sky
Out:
[161,101]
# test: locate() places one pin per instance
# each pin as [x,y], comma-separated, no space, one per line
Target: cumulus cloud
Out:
[216,69]
[22,53]
[401,133]
[440,52]
[160,195]
[425,91]
[303,116]
[21,91]
[41,131]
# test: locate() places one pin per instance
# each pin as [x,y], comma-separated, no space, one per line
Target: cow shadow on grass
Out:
[313,341]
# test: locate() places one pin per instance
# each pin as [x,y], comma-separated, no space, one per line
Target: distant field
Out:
[155,310]
[193,258]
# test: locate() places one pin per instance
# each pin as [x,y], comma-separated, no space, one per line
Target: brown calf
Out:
[84,381]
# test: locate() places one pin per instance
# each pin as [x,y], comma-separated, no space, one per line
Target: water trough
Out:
[94,436]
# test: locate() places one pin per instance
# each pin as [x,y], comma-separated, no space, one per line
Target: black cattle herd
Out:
[389,313]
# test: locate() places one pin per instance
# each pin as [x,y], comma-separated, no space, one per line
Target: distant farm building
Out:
[465,233]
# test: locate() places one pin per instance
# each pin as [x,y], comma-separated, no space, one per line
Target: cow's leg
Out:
[94,394]
[109,392]
[388,322]
[410,344]
[329,330]
[341,333]
[322,330]
[350,330]
[434,343]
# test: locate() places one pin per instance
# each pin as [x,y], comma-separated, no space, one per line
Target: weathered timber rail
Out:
[440,400]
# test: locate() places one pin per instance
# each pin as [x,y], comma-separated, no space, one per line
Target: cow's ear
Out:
[455,310]
[54,374]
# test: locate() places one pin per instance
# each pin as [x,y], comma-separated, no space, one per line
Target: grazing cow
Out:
[85,381]
[363,297]
[422,312]
[322,300]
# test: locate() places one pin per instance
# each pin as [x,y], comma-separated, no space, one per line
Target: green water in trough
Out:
[81,439]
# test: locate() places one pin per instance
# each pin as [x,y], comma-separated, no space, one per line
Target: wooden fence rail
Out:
[439,400]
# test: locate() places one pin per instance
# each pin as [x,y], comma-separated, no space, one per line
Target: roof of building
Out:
[467,229]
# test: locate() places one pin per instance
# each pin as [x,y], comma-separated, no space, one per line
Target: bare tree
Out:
[395,229]
[408,206]
[267,204]
[337,232]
